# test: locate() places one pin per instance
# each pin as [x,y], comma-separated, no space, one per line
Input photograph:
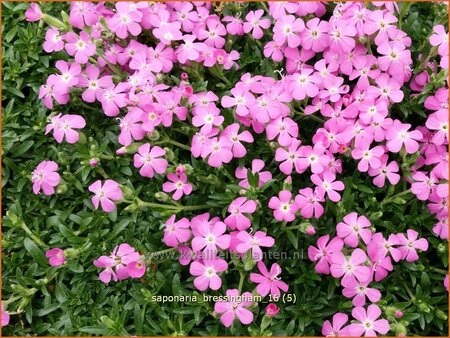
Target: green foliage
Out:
[70,300]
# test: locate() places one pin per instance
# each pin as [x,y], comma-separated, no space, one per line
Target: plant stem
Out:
[36,239]
[173,207]
[387,200]
[175,143]
[444,272]
[241,280]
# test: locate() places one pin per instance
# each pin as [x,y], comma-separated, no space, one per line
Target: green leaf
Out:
[35,252]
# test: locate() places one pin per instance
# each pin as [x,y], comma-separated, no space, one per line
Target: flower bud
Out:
[362,39]
[184,76]
[62,188]
[170,156]
[400,330]
[93,162]
[273,145]
[398,314]
[127,192]
[441,248]
[310,230]
[121,151]
[161,196]
[272,310]
[70,253]
[441,314]
[153,135]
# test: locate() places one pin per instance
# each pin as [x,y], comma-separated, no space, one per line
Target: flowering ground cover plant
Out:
[184,168]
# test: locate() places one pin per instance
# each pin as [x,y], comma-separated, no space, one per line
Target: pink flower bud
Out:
[187,91]
[55,256]
[121,151]
[93,162]
[398,314]
[180,169]
[310,230]
[347,99]
[272,310]
[184,76]
[33,13]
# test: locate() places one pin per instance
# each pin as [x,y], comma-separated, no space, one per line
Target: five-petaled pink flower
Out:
[237,208]
[105,194]
[45,178]
[179,184]
[368,322]
[235,306]
[150,161]
[268,281]
[284,207]
[207,273]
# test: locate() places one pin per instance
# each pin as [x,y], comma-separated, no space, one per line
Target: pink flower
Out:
[288,28]
[354,227]
[148,159]
[368,322]
[398,135]
[177,232]
[257,166]
[178,183]
[333,88]
[313,157]
[237,208]
[219,151]
[242,99]
[308,201]
[207,119]
[285,128]
[45,177]
[82,13]
[63,127]
[315,35]
[423,185]
[116,264]
[254,23]
[254,242]
[303,84]
[341,36]
[409,245]
[55,256]
[368,157]
[5,317]
[439,38]
[53,40]
[284,207]
[388,171]
[232,133]
[209,237]
[212,32]
[268,281]
[81,47]
[272,310]
[136,269]
[53,90]
[380,263]
[327,184]
[359,292]
[131,127]
[335,329]
[126,20]
[207,273]
[445,284]
[235,306]
[438,121]
[94,84]
[350,268]
[324,252]
[113,98]
[388,88]
[33,13]
[105,194]
[395,57]
[290,158]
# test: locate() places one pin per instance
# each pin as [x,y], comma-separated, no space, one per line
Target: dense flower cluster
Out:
[346,71]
